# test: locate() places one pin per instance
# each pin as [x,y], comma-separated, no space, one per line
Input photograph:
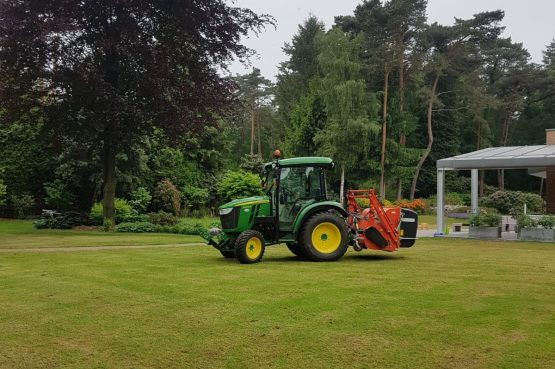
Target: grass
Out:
[441,304]
[19,234]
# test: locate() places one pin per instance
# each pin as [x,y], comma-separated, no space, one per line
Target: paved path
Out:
[97,248]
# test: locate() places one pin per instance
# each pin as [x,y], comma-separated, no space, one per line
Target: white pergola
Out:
[534,158]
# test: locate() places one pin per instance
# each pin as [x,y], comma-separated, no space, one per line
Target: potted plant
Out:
[485,226]
[540,230]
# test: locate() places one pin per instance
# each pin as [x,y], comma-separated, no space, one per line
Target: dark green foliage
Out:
[65,220]
[166,197]
[138,227]
[485,220]
[512,202]
[194,198]
[147,227]
[235,185]
[22,205]
[163,218]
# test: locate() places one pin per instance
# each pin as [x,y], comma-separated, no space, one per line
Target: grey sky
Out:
[530,22]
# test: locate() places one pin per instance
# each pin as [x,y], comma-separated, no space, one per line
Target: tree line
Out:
[99,100]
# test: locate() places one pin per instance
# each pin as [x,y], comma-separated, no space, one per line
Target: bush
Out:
[137,227]
[167,198]
[418,205]
[451,198]
[547,222]
[512,202]
[162,218]
[63,221]
[140,199]
[22,204]
[124,212]
[485,220]
[3,188]
[524,221]
[194,197]
[147,227]
[236,185]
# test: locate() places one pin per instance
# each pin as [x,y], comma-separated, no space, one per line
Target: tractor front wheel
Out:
[325,237]
[249,247]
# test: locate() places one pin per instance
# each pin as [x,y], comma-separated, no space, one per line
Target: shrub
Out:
[124,212]
[162,218]
[418,205]
[22,204]
[140,199]
[166,197]
[3,188]
[512,202]
[485,220]
[451,198]
[524,221]
[63,221]
[137,227]
[147,227]
[194,197]
[235,185]
[547,222]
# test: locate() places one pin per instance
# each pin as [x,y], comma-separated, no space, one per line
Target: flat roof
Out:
[510,157]
[304,161]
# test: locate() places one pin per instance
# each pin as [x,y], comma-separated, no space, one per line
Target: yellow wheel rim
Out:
[326,238]
[254,248]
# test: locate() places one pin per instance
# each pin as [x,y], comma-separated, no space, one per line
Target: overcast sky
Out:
[527,21]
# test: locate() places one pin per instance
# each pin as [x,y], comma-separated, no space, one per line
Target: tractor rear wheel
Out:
[325,237]
[249,247]
[228,254]
[296,249]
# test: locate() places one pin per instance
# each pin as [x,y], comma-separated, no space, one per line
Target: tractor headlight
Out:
[226,211]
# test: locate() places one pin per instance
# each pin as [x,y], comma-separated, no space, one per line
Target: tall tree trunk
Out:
[109,185]
[430,138]
[258,133]
[342,186]
[503,142]
[384,134]
[252,132]
[402,137]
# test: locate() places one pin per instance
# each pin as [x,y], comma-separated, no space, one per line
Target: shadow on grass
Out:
[374,257]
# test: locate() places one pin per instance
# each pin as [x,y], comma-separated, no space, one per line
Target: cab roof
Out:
[306,161]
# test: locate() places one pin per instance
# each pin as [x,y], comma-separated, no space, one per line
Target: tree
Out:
[296,73]
[255,92]
[350,127]
[453,50]
[108,72]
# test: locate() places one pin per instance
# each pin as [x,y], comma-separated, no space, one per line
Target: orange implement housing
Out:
[373,227]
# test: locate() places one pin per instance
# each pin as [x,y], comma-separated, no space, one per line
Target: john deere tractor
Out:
[295,210]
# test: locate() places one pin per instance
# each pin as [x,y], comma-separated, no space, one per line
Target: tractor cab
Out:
[292,185]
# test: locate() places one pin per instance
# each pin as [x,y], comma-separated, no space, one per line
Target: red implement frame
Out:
[377,228]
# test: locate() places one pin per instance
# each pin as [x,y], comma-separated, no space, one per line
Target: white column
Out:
[474,191]
[440,202]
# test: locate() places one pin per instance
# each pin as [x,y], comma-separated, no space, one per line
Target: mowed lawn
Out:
[442,304]
[18,234]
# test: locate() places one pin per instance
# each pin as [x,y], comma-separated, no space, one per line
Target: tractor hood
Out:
[246,201]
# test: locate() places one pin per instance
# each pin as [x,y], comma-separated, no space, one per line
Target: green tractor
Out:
[296,210]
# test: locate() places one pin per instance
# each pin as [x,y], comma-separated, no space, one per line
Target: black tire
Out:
[250,247]
[228,254]
[326,247]
[296,249]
